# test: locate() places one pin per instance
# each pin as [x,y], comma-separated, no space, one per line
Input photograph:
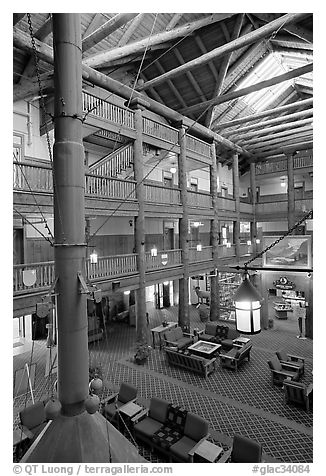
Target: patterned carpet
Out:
[243,402]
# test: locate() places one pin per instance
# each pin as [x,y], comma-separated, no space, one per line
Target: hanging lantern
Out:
[92,404]
[247,307]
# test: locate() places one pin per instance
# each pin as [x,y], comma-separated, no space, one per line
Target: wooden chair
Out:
[195,432]
[298,393]
[111,405]
[244,450]
[294,360]
[281,371]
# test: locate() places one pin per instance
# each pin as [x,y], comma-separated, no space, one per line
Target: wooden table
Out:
[207,452]
[159,330]
[126,413]
[240,341]
[205,349]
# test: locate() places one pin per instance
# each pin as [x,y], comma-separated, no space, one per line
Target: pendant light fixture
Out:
[247,299]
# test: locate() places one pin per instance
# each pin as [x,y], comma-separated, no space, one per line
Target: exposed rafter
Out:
[17,17]
[131,29]
[141,45]
[190,76]
[295,30]
[290,125]
[174,20]
[248,39]
[105,30]
[255,87]
[94,24]
[171,85]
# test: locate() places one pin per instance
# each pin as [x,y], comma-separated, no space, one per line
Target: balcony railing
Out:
[164,259]
[281,165]
[108,266]
[160,131]
[199,199]
[27,177]
[198,146]
[44,273]
[111,112]
[107,187]
[225,252]
[227,204]
[162,195]
[197,256]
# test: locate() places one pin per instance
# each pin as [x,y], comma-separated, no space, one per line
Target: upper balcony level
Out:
[302,161]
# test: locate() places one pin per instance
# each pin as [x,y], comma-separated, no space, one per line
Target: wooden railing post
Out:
[253,224]
[236,195]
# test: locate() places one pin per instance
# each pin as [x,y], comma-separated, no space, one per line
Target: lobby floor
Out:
[243,402]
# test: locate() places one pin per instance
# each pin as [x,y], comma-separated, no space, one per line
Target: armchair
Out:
[33,420]
[176,338]
[298,393]
[294,360]
[111,405]
[148,422]
[244,450]
[208,334]
[195,432]
[281,371]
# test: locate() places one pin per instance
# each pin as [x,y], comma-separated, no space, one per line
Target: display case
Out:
[282,309]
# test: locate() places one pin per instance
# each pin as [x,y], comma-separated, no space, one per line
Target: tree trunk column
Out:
[184,318]
[69,214]
[291,203]
[141,323]
[215,290]
[236,195]
[253,224]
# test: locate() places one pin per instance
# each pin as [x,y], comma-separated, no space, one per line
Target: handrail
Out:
[281,165]
[114,163]
[199,199]
[161,194]
[163,259]
[99,107]
[159,130]
[197,145]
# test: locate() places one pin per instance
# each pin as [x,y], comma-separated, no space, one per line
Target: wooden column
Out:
[253,224]
[236,195]
[215,291]
[309,310]
[141,323]
[291,203]
[69,214]
[184,318]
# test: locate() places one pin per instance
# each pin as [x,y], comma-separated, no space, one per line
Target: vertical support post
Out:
[141,323]
[236,195]
[291,202]
[309,310]
[69,213]
[215,291]
[184,318]
[253,224]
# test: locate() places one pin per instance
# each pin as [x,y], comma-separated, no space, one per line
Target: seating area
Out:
[170,430]
[235,357]
[298,393]
[220,334]
[176,338]
[191,362]
[112,404]
[281,371]
[244,450]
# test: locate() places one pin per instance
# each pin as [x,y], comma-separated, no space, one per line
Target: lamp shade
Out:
[247,308]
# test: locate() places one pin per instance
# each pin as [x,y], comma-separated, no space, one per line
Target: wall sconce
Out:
[257,241]
[93,257]
[249,242]
[173,169]
[228,244]
[199,247]
[154,252]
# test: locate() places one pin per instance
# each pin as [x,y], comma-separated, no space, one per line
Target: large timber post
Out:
[236,196]
[69,214]
[291,202]
[215,291]
[184,317]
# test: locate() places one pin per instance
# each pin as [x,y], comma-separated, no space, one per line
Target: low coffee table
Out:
[207,452]
[204,349]
[240,341]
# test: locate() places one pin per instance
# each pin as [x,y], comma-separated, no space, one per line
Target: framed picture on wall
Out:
[292,252]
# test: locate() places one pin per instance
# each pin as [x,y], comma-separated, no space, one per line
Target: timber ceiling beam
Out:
[203,49]
[295,30]
[267,138]
[245,40]
[289,125]
[145,43]
[93,25]
[17,17]
[171,86]
[271,144]
[190,76]
[284,143]
[174,20]
[224,68]
[131,29]
[250,89]
[276,120]
[268,112]
[106,29]
[291,43]
[45,52]
[276,153]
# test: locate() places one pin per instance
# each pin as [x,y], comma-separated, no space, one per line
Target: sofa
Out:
[219,334]
[176,338]
[170,429]
[191,362]
[236,356]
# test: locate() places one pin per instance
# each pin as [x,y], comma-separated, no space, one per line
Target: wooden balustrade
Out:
[108,266]
[227,204]
[159,130]
[281,165]
[27,177]
[108,187]
[111,112]
[198,146]
[204,254]
[114,163]
[162,195]
[246,207]
[225,252]
[199,199]
[44,273]
[300,162]
[164,259]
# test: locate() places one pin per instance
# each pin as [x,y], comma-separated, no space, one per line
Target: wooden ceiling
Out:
[194,63]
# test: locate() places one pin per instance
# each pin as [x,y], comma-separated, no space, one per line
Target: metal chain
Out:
[294,227]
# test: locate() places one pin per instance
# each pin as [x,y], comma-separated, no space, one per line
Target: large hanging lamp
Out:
[247,307]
